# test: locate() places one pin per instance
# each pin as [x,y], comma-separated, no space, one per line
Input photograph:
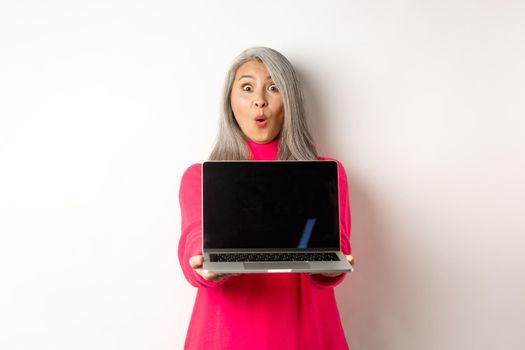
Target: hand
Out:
[350,259]
[196,262]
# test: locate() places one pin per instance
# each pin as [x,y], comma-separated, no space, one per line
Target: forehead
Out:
[253,68]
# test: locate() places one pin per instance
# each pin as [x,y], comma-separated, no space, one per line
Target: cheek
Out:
[238,105]
[234,104]
[279,113]
[279,108]
[279,104]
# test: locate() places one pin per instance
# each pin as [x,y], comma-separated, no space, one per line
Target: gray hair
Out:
[296,142]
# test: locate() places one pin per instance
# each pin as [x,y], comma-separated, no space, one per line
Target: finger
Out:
[196,261]
[332,274]
[326,274]
[351,260]
[210,276]
[219,276]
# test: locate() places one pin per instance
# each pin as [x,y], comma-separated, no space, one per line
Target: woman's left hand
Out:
[350,259]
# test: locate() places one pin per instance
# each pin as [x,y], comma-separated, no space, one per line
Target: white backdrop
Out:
[103,104]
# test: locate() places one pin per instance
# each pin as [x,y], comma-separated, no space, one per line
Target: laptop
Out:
[271,216]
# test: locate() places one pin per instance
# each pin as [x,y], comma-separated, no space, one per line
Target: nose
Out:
[260,104]
[259,100]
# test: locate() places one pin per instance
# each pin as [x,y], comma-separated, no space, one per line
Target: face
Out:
[256,102]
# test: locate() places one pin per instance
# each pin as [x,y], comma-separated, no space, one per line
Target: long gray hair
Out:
[296,142]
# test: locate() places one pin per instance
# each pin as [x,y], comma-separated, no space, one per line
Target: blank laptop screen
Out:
[271,205]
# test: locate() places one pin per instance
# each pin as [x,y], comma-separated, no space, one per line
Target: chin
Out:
[261,136]
[262,139]
[257,138]
[259,141]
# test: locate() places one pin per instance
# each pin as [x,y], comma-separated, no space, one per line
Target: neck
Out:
[266,151]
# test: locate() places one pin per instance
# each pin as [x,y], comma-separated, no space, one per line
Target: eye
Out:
[273,88]
[246,87]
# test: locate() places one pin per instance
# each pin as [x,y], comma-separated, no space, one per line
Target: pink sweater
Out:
[259,311]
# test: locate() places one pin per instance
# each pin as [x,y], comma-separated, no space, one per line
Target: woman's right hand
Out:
[196,262]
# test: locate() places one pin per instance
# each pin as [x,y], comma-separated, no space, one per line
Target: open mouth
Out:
[261,120]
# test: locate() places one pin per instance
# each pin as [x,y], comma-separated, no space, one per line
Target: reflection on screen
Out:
[307,233]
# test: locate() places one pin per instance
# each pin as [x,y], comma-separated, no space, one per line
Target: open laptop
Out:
[271,216]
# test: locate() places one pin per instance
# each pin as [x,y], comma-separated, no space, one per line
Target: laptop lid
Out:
[270,206]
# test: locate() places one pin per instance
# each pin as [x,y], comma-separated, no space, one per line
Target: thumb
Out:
[196,261]
[351,260]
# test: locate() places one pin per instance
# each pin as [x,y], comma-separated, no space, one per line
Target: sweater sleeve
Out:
[190,243]
[345,225]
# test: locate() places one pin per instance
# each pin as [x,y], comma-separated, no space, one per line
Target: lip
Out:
[261,120]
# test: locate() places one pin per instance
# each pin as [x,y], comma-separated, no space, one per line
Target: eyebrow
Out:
[252,77]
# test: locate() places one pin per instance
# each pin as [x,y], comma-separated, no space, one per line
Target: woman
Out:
[263,118]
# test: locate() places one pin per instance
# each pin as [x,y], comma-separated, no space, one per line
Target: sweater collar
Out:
[267,151]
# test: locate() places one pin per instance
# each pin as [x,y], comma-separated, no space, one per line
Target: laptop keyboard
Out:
[242,257]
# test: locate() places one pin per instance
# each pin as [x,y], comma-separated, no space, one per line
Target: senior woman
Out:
[263,118]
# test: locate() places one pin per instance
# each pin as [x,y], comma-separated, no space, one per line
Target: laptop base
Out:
[279,266]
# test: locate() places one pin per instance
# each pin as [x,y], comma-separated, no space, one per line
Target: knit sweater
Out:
[259,311]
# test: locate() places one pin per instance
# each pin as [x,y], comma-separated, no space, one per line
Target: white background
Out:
[103,105]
